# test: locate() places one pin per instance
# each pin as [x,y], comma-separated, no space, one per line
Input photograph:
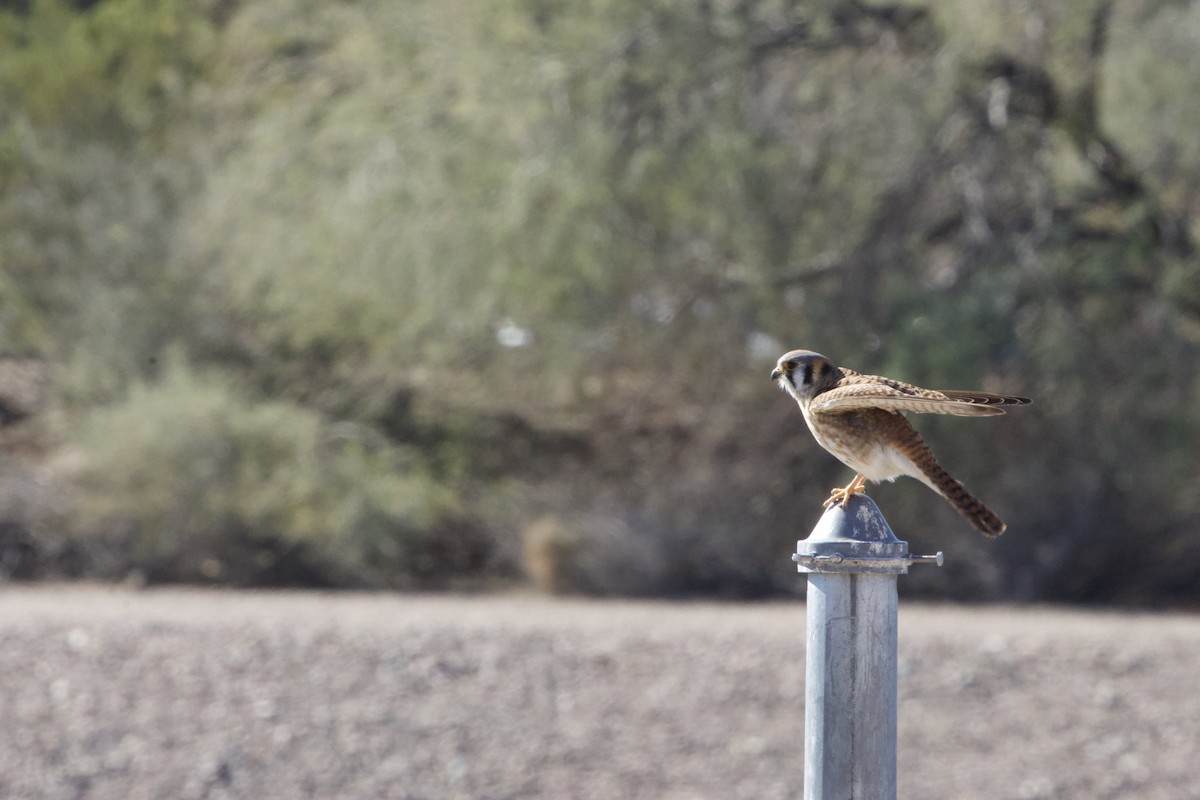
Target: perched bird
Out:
[859,418]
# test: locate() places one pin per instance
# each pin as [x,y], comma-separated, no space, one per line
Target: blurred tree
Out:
[557,247]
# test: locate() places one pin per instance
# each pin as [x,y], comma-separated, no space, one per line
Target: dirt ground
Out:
[118,693]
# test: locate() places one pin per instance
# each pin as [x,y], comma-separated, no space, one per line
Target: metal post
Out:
[852,559]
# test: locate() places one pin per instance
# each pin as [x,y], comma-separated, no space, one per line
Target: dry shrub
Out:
[188,480]
[597,554]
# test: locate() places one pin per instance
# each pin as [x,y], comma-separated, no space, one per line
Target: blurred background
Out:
[468,295]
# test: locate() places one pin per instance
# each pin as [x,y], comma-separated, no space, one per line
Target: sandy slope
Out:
[110,693]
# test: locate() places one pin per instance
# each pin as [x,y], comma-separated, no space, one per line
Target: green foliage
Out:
[424,252]
[187,477]
[1160,52]
[109,69]
[87,182]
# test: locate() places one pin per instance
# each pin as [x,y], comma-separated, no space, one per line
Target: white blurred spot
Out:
[60,690]
[943,270]
[997,107]
[794,297]
[510,334]
[660,306]
[77,639]
[763,346]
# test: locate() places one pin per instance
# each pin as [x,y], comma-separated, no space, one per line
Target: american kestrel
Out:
[859,418]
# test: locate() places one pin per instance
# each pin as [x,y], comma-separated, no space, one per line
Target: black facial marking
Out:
[808,371]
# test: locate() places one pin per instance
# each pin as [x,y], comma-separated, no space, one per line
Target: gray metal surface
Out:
[852,559]
[856,539]
[850,694]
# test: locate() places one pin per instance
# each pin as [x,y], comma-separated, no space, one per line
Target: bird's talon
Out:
[841,496]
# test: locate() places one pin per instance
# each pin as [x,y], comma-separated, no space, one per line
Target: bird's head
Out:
[803,374]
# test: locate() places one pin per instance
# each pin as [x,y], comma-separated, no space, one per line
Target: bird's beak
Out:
[776,374]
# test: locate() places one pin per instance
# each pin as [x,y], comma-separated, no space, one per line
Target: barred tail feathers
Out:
[931,473]
[979,515]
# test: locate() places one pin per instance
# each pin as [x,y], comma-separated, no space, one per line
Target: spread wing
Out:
[856,391]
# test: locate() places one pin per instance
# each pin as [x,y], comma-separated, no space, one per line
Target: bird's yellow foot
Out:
[842,496]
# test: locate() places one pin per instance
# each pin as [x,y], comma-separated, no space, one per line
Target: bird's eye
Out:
[791,365]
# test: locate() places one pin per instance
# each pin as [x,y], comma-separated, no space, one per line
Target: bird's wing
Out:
[986,398]
[856,391]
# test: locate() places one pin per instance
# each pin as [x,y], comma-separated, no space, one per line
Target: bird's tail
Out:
[935,477]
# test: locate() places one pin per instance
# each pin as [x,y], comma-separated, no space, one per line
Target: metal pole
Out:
[852,559]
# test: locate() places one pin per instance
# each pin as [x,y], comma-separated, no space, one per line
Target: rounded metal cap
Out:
[853,539]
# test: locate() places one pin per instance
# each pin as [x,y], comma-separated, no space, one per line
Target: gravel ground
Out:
[115,693]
